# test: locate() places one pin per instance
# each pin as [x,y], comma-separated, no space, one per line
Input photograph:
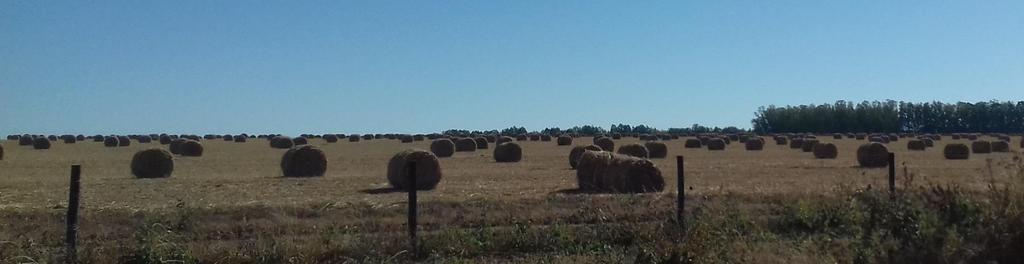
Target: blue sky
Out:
[423,66]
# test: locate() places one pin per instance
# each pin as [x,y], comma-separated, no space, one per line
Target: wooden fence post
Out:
[71,226]
[680,192]
[411,189]
[892,175]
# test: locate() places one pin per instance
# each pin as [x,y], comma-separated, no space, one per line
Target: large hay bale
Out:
[144,139]
[716,144]
[508,152]
[241,139]
[606,143]
[796,143]
[165,139]
[656,150]
[418,137]
[635,150]
[191,148]
[481,142]
[781,140]
[602,171]
[574,154]
[300,141]
[428,170]
[837,136]
[228,137]
[41,143]
[534,137]
[972,137]
[981,147]
[521,137]
[25,140]
[755,143]
[956,151]
[175,146]
[69,139]
[406,138]
[442,147]
[916,144]
[692,143]
[111,142]
[369,137]
[152,163]
[825,151]
[123,141]
[280,142]
[465,144]
[564,140]
[873,155]
[928,142]
[503,140]
[1,152]
[330,138]
[1000,146]
[354,138]
[304,161]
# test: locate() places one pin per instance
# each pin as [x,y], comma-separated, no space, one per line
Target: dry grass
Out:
[235,192]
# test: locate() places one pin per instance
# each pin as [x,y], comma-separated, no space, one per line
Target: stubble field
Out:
[226,205]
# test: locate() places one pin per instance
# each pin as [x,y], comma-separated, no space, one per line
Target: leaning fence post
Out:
[411,189]
[71,226]
[892,175]
[680,192]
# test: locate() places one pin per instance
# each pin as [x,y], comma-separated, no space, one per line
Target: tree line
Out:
[892,117]
[590,130]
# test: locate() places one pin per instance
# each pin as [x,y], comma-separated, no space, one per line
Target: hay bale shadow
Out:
[384,190]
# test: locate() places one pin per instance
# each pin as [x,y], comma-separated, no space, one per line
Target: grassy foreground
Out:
[933,224]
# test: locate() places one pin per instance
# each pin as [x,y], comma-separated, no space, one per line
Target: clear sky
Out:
[423,66]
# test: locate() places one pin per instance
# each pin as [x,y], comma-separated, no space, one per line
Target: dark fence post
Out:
[411,189]
[680,192]
[892,174]
[71,226]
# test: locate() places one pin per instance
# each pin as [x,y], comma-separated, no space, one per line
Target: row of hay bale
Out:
[504,150]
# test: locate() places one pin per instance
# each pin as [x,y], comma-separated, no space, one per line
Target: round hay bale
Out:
[545,137]
[1000,146]
[191,148]
[981,147]
[354,138]
[635,150]
[152,163]
[756,143]
[574,154]
[796,143]
[41,143]
[780,140]
[25,140]
[616,136]
[928,142]
[330,138]
[164,139]
[716,144]
[972,137]
[481,143]
[111,142]
[300,141]
[279,142]
[175,146]
[241,139]
[491,138]
[956,151]
[52,138]
[503,140]
[521,137]
[304,161]
[825,151]
[606,143]
[656,150]
[406,138]
[418,137]
[837,136]
[145,139]
[465,144]
[228,138]
[369,137]
[692,143]
[428,170]
[1,152]
[534,137]
[69,139]
[564,140]
[602,171]
[916,144]
[97,138]
[879,139]
[123,141]
[873,155]
[442,147]
[508,152]
[956,136]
